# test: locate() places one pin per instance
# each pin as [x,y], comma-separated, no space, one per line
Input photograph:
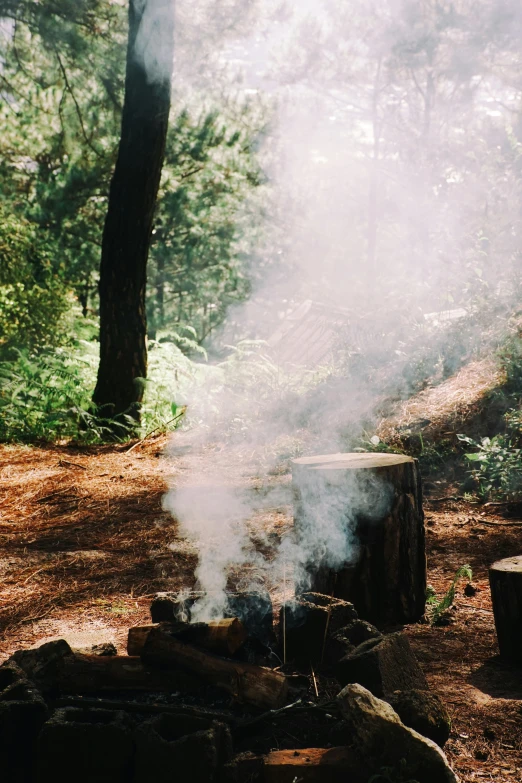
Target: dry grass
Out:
[83,528]
[444,409]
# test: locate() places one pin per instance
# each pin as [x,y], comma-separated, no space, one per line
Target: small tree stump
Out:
[359,519]
[505,579]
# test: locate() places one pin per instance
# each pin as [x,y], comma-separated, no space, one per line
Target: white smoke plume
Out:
[381,168]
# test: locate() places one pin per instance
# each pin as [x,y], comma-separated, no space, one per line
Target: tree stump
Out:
[505,579]
[360,526]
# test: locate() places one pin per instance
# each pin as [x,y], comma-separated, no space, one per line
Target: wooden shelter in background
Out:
[309,335]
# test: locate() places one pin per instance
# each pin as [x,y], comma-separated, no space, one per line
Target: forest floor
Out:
[85,543]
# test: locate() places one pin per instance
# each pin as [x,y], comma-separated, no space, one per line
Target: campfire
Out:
[312,692]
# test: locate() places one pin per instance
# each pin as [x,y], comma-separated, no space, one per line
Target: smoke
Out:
[392,161]
[154,40]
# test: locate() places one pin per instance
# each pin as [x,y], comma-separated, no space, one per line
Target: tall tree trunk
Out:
[132,199]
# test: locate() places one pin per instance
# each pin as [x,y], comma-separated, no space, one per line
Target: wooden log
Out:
[247,683]
[137,637]
[313,765]
[223,637]
[253,609]
[142,708]
[373,502]
[505,579]
[93,674]
[54,667]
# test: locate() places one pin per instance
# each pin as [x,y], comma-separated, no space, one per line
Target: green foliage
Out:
[439,606]
[497,461]
[33,299]
[47,396]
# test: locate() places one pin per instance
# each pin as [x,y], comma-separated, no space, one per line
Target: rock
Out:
[22,714]
[424,712]
[172,747]
[42,664]
[358,631]
[382,740]
[383,665]
[85,745]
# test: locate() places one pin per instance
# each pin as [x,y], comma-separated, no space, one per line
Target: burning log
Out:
[223,637]
[253,684]
[374,502]
[253,609]
[505,579]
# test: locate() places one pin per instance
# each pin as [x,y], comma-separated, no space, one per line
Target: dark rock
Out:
[183,748]
[22,714]
[85,745]
[42,664]
[359,631]
[382,740]
[309,620]
[383,665]
[424,712]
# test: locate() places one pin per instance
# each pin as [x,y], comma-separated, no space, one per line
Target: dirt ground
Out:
[85,543]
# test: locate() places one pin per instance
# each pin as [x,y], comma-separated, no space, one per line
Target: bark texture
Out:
[505,579]
[247,683]
[132,199]
[375,502]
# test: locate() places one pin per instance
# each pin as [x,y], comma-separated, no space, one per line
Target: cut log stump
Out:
[371,506]
[505,579]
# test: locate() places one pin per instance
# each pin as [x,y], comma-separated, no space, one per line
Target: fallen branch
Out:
[146,709]
[161,427]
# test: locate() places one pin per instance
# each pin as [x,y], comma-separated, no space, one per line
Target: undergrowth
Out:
[437,606]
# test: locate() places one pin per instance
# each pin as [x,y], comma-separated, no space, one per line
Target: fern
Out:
[440,606]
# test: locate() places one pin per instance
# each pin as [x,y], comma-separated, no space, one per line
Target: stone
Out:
[383,665]
[42,664]
[358,631]
[172,747]
[22,714]
[382,740]
[423,711]
[85,745]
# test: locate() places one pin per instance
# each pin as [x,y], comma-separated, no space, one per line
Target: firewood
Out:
[223,637]
[313,765]
[144,708]
[93,673]
[256,685]
[137,637]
